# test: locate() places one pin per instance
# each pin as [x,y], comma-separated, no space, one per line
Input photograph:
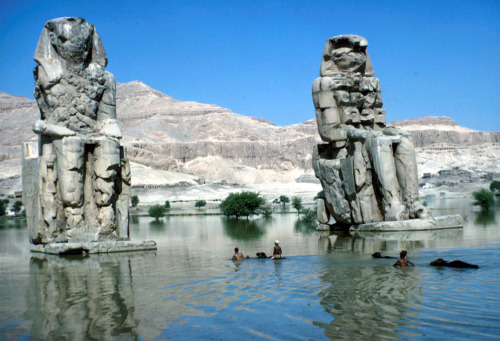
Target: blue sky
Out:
[259,58]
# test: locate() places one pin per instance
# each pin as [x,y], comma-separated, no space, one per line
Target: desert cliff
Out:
[212,143]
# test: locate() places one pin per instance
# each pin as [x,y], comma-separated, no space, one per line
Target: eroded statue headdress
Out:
[61,29]
[344,54]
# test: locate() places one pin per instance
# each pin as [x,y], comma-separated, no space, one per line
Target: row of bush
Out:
[16,207]
[244,205]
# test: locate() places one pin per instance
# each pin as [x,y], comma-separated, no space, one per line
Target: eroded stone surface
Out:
[93,247]
[368,171]
[83,180]
[443,222]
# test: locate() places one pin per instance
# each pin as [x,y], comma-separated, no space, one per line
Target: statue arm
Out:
[43,128]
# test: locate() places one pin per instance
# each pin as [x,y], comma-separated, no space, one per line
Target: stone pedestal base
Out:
[323,227]
[92,247]
[443,222]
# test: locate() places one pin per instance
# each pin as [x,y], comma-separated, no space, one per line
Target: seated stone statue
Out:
[84,172]
[368,171]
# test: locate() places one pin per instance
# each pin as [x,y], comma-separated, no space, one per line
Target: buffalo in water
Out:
[454,264]
[378,255]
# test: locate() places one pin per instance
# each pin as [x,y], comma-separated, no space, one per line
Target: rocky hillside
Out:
[434,131]
[208,140]
[216,144]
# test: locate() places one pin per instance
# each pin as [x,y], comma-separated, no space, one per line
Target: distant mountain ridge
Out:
[212,142]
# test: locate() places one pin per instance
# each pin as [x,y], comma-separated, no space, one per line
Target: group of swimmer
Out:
[276,253]
[403,261]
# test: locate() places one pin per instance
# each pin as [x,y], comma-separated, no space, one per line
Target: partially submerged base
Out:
[443,222]
[92,247]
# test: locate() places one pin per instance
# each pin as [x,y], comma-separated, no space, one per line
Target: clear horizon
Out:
[259,59]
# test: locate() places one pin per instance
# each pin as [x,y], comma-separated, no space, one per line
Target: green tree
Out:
[483,198]
[16,207]
[284,200]
[157,211]
[309,215]
[495,186]
[3,206]
[200,203]
[167,205]
[297,204]
[243,204]
[134,200]
[266,210]
[320,195]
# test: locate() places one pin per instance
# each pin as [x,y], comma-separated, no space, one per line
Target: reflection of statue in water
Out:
[85,298]
[368,171]
[84,173]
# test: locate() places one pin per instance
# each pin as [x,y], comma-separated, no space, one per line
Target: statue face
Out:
[72,41]
[348,60]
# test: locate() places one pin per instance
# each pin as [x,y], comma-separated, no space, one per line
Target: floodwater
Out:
[328,287]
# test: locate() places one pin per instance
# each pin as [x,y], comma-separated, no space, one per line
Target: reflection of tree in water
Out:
[157,224]
[485,217]
[305,228]
[241,229]
[134,219]
[75,298]
[367,302]
[11,222]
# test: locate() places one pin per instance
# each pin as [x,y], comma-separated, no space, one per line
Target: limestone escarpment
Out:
[434,130]
[17,114]
[162,132]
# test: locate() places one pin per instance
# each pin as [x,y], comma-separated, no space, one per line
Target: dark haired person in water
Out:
[403,260]
[238,255]
[276,250]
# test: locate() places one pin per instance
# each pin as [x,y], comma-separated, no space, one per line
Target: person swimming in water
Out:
[238,255]
[276,250]
[403,260]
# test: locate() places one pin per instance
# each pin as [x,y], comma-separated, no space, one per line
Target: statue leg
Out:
[106,166]
[70,159]
[48,178]
[406,171]
[366,198]
[385,169]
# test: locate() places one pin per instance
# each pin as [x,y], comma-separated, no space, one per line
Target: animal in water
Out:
[378,255]
[261,255]
[454,264]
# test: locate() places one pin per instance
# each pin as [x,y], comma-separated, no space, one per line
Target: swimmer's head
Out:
[402,254]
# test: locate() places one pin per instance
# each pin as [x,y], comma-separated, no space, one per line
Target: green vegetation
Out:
[495,187]
[157,211]
[266,210]
[284,200]
[167,205]
[17,206]
[3,206]
[309,215]
[483,198]
[242,204]
[134,200]
[320,195]
[200,203]
[297,204]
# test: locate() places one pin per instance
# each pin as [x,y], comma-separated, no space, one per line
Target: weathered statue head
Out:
[71,39]
[346,54]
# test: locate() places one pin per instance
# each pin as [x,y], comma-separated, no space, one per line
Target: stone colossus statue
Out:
[84,173]
[368,171]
